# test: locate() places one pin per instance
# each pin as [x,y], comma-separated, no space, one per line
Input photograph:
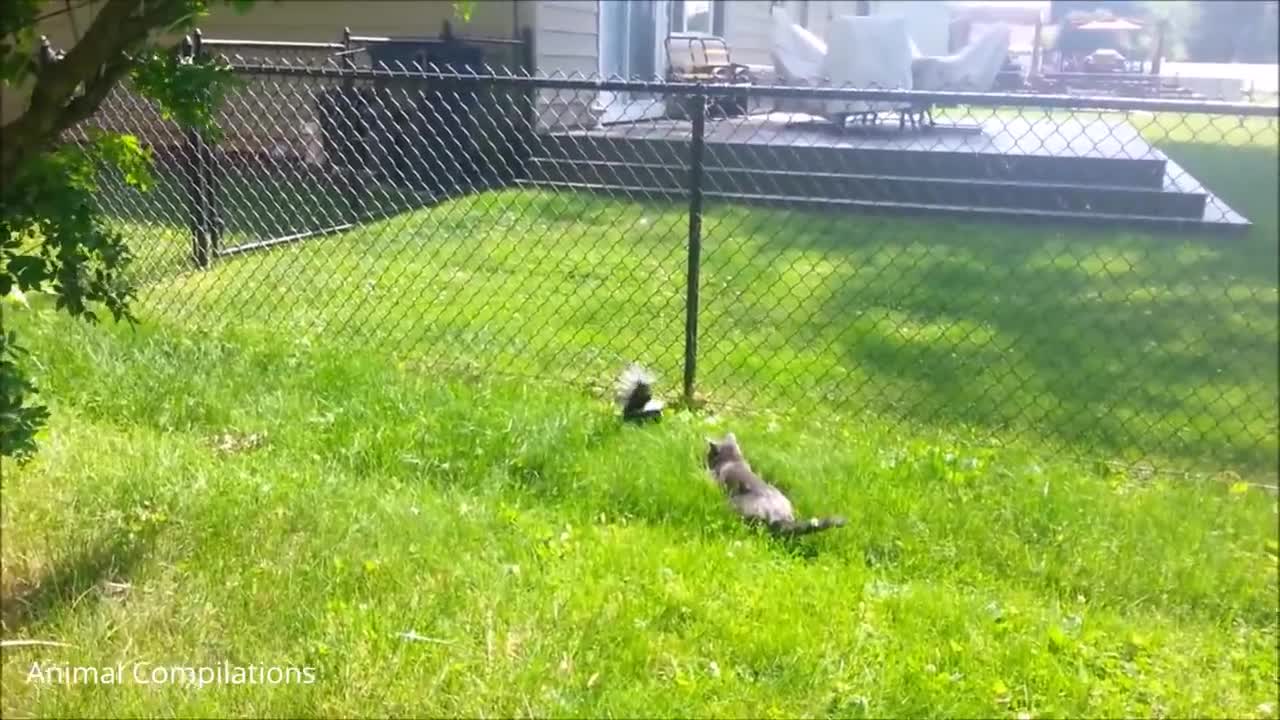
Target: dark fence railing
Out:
[1092,275]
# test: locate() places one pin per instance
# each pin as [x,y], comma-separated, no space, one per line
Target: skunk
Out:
[635,395]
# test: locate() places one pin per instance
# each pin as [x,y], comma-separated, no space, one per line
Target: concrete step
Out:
[1145,172]
[1232,224]
[1116,200]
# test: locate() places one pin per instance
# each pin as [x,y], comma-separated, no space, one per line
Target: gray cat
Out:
[755,500]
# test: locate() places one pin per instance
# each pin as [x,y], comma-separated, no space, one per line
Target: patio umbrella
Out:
[1119,25]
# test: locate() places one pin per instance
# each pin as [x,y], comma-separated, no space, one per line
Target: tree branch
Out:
[100,53]
[95,91]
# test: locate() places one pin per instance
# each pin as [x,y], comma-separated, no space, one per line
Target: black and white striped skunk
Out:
[635,395]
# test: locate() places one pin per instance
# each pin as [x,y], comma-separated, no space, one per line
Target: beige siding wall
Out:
[274,123]
[566,40]
[320,21]
[291,123]
[748,30]
[822,12]
[565,36]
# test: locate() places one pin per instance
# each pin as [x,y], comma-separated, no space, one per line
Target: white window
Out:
[694,16]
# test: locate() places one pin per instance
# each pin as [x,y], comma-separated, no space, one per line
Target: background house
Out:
[587,37]
[621,37]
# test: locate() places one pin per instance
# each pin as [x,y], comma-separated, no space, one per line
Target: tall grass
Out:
[352,455]
[262,499]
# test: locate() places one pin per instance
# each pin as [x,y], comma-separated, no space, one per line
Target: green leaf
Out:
[127,155]
[20,419]
[463,9]
[188,92]
[29,271]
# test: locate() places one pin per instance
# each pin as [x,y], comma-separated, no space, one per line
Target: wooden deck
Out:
[1096,168]
[1100,137]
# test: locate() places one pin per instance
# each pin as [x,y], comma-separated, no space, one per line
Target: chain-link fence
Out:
[1094,276]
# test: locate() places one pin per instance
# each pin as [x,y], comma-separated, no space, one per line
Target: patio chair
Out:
[864,52]
[702,58]
[706,59]
[799,56]
[974,68]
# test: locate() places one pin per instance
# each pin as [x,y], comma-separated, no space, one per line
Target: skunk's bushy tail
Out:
[635,394]
[813,525]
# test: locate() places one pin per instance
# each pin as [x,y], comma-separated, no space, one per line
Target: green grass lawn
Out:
[303,454]
[1113,345]
[253,205]
[260,499]
[1103,344]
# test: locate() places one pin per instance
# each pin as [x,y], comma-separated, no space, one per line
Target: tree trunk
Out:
[70,89]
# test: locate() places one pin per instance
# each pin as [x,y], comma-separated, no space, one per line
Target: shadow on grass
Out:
[108,559]
[254,204]
[1108,341]
[1113,341]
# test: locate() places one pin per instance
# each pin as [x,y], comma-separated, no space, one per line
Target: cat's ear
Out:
[712,446]
[730,439]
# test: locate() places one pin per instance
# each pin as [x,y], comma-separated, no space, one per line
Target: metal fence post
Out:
[214,222]
[355,131]
[528,134]
[696,148]
[46,55]
[197,200]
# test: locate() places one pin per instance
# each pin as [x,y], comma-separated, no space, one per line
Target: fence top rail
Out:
[269,44]
[1108,76]
[462,39]
[576,81]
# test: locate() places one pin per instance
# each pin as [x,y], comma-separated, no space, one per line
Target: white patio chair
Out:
[872,53]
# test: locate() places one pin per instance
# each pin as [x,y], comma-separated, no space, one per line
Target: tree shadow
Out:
[254,203]
[107,559]
[1108,338]
[1098,359]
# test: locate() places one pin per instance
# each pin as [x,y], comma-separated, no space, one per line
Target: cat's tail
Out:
[813,525]
[635,394]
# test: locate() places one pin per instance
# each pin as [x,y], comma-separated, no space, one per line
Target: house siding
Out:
[748,30]
[565,36]
[286,123]
[823,12]
[292,126]
[566,41]
[928,22]
[318,20]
